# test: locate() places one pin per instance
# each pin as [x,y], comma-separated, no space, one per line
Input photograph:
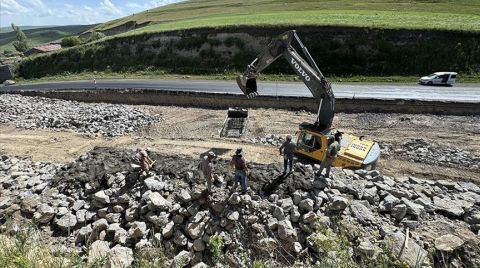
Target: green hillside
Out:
[9,28]
[461,15]
[43,35]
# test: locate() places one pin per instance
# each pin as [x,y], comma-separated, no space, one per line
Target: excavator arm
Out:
[309,72]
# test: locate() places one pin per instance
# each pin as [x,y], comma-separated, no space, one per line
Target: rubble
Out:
[419,150]
[87,118]
[112,213]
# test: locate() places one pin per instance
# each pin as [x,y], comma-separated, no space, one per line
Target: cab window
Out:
[309,142]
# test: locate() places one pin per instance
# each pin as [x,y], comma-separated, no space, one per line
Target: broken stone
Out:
[286,231]
[195,230]
[119,257]
[156,201]
[414,209]
[399,211]
[138,230]
[167,231]
[448,243]
[448,206]
[414,255]
[233,215]
[67,222]
[101,197]
[338,203]
[98,251]
[363,214]
[44,213]
[306,204]
[198,245]
[182,259]
[278,213]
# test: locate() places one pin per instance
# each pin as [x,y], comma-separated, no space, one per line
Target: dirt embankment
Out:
[360,51]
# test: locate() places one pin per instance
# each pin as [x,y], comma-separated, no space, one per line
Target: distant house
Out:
[43,49]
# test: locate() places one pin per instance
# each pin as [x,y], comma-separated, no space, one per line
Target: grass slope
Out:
[41,35]
[461,15]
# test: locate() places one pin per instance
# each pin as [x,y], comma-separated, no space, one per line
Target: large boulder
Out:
[362,213]
[286,232]
[156,201]
[67,222]
[44,213]
[98,251]
[101,198]
[138,230]
[182,259]
[306,204]
[119,257]
[413,208]
[448,206]
[338,203]
[413,254]
[448,243]
[195,230]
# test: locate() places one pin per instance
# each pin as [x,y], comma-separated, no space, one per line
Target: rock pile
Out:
[419,150]
[98,201]
[271,139]
[96,118]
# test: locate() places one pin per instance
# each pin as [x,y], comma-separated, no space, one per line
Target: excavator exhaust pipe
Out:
[247,85]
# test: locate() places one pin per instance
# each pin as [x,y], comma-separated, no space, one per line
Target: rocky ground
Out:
[106,210]
[93,119]
[421,206]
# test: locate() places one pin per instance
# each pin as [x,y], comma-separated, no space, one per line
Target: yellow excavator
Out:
[312,139]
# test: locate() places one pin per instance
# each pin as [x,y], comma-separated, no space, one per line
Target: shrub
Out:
[71,41]
[216,244]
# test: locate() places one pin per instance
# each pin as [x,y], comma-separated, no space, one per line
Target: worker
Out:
[332,152]
[206,169]
[287,149]
[239,164]
[143,159]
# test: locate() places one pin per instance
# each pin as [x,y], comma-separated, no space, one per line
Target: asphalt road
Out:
[458,93]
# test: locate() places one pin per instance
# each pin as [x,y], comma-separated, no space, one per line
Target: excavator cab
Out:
[355,152]
[247,85]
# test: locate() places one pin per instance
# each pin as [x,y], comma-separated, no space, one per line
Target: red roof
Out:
[48,48]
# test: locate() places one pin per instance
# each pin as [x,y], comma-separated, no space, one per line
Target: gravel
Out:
[87,118]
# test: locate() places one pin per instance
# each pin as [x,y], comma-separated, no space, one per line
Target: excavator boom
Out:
[312,139]
[309,72]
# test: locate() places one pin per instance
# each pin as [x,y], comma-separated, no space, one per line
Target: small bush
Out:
[71,41]
[216,244]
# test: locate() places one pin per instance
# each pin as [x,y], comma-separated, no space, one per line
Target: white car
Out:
[439,78]
[8,83]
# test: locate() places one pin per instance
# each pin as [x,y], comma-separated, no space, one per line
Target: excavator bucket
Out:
[247,85]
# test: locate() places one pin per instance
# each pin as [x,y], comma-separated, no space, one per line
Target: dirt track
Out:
[191,131]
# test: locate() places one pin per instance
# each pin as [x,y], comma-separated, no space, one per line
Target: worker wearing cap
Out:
[143,158]
[206,167]
[332,152]
[287,150]
[240,166]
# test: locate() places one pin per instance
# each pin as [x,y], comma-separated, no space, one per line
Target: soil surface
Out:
[192,131]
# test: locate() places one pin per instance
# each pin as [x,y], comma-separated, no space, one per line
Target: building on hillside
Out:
[43,49]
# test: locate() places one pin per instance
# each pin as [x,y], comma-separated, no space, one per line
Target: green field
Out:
[43,35]
[463,15]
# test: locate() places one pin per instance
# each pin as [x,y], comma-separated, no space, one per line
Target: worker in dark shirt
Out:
[287,150]
[239,164]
